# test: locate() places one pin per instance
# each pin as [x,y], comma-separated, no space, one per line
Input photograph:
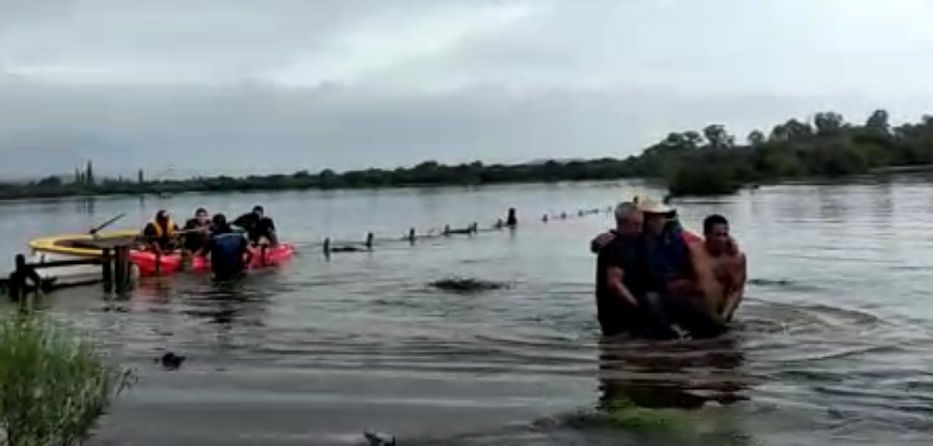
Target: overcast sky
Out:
[239,86]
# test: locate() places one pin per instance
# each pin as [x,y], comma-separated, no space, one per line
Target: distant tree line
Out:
[710,161]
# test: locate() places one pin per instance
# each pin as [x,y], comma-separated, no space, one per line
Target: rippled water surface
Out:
[832,346]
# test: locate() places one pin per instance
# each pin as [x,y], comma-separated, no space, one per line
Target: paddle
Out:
[103,225]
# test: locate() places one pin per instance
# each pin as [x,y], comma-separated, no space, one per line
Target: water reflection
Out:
[86,205]
[670,375]
[227,302]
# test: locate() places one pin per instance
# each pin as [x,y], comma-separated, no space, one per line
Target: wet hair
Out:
[259,209]
[220,220]
[200,211]
[161,215]
[710,222]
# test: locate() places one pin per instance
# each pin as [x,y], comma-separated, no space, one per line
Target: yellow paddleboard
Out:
[65,244]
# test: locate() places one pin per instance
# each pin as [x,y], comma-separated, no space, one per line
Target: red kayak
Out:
[262,257]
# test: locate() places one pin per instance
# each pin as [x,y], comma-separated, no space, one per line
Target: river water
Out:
[832,346]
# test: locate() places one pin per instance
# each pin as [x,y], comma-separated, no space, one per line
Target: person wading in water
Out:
[623,286]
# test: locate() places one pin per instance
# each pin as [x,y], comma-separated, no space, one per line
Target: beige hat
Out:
[649,205]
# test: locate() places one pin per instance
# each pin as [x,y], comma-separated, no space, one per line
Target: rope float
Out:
[331,246]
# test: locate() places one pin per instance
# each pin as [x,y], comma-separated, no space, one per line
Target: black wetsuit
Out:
[257,227]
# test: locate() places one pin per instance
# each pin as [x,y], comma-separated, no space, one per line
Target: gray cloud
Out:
[240,86]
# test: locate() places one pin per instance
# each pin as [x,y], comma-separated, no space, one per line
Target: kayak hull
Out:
[150,264]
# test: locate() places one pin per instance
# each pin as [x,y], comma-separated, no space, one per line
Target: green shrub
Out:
[702,179]
[53,385]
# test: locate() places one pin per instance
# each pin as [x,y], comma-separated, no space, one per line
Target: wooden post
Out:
[18,279]
[117,271]
[327,246]
[122,268]
[107,272]
[411,236]
[369,241]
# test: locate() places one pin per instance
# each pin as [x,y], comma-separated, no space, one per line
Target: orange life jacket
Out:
[161,232]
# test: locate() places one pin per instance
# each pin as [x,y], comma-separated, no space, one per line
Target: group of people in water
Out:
[656,280]
[226,244]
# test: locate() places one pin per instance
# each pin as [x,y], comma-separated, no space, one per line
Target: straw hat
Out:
[649,205]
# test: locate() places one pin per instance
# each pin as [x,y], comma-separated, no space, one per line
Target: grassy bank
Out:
[53,385]
[705,162]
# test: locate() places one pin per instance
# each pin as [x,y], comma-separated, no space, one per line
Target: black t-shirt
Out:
[256,226]
[194,241]
[628,253]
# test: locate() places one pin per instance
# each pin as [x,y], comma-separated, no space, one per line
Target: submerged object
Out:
[171,361]
[379,439]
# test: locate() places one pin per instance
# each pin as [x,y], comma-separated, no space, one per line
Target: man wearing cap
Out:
[623,283]
[691,294]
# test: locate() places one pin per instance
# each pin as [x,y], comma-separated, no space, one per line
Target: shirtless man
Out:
[720,267]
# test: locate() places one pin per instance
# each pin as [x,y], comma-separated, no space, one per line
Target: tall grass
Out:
[53,386]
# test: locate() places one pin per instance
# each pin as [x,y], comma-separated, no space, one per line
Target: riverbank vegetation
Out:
[708,161]
[53,385]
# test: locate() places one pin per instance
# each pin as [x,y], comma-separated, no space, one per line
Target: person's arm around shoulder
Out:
[601,240]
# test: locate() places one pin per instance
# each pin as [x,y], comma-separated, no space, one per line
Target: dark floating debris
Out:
[466,285]
[366,246]
[379,439]
[769,282]
[171,361]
